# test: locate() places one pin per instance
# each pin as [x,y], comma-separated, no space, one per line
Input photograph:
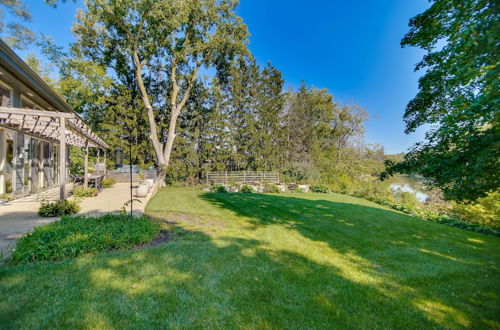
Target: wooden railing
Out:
[229,177]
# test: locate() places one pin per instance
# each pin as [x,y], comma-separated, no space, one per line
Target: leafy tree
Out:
[459,96]
[44,70]
[14,14]
[163,43]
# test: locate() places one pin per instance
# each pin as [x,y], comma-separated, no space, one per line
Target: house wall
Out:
[28,164]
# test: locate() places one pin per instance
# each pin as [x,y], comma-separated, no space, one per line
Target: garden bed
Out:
[76,236]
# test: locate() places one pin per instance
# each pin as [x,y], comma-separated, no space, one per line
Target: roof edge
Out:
[30,78]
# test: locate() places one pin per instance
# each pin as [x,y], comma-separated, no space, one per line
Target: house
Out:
[37,128]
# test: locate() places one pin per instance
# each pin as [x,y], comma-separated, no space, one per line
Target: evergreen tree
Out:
[270,100]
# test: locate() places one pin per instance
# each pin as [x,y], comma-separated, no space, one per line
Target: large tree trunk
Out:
[153,133]
[164,151]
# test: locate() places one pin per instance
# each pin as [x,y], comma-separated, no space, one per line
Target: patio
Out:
[20,216]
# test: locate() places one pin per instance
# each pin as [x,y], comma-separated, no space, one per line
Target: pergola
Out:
[62,127]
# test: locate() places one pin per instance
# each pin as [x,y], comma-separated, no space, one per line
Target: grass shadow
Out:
[196,283]
[301,263]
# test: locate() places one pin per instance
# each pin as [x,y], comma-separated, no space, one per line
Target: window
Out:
[4,96]
[26,103]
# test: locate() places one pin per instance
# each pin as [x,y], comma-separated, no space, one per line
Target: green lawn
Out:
[269,261]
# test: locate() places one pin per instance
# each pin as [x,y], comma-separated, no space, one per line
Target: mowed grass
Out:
[289,261]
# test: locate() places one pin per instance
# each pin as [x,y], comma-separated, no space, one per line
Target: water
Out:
[421,197]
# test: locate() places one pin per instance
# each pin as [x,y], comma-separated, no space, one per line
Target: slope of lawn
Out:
[269,261]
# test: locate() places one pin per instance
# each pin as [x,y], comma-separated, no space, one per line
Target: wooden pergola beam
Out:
[27,120]
[22,111]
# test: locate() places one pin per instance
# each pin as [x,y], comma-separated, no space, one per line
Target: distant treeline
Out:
[249,123]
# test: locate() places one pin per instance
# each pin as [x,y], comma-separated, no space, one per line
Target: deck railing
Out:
[229,177]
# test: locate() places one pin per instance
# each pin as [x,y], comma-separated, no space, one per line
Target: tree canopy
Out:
[161,45]
[458,95]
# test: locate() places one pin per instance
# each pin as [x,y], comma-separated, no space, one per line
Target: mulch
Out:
[162,237]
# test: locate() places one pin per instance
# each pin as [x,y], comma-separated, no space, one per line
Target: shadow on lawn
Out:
[175,286]
[345,226]
[400,253]
[199,281]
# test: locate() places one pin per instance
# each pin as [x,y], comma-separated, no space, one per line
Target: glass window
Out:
[9,165]
[4,96]
[25,103]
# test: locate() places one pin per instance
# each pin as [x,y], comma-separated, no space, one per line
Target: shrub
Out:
[246,189]
[108,182]
[85,192]
[270,188]
[485,211]
[293,174]
[319,188]
[218,188]
[76,236]
[296,190]
[59,208]
[5,197]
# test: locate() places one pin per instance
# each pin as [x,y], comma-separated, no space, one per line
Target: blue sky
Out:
[349,47]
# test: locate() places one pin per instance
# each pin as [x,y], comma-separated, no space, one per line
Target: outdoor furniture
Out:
[77,179]
[95,180]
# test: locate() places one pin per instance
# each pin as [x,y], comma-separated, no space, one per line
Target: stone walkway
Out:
[20,216]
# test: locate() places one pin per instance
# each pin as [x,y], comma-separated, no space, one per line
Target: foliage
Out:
[443,219]
[108,182]
[294,174]
[81,191]
[177,172]
[161,45]
[319,188]
[77,156]
[218,188]
[485,211]
[480,217]
[237,120]
[125,207]
[14,16]
[76,236]
[272,189]
[58,208]
[5,197]
[458,95]
[296,189]
[246,189]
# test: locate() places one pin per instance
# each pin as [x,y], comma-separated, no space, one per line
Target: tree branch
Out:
[190,86]
[151,118]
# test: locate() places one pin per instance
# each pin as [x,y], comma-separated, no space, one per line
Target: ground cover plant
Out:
[319,188]
[218,188]
[284,260]
[76,236]
[85,192]
[58,208]
[271,188]
[246,189]
[5,197]
[108,182]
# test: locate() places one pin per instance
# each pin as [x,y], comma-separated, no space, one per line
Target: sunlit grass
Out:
[269,261]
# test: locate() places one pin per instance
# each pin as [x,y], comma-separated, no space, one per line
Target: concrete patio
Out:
[20,216]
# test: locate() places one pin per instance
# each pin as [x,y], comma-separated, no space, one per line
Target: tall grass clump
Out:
[76,236]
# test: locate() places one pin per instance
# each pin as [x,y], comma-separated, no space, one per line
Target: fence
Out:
[228,177]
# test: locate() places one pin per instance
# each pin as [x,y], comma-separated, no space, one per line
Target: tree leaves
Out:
[459,94]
